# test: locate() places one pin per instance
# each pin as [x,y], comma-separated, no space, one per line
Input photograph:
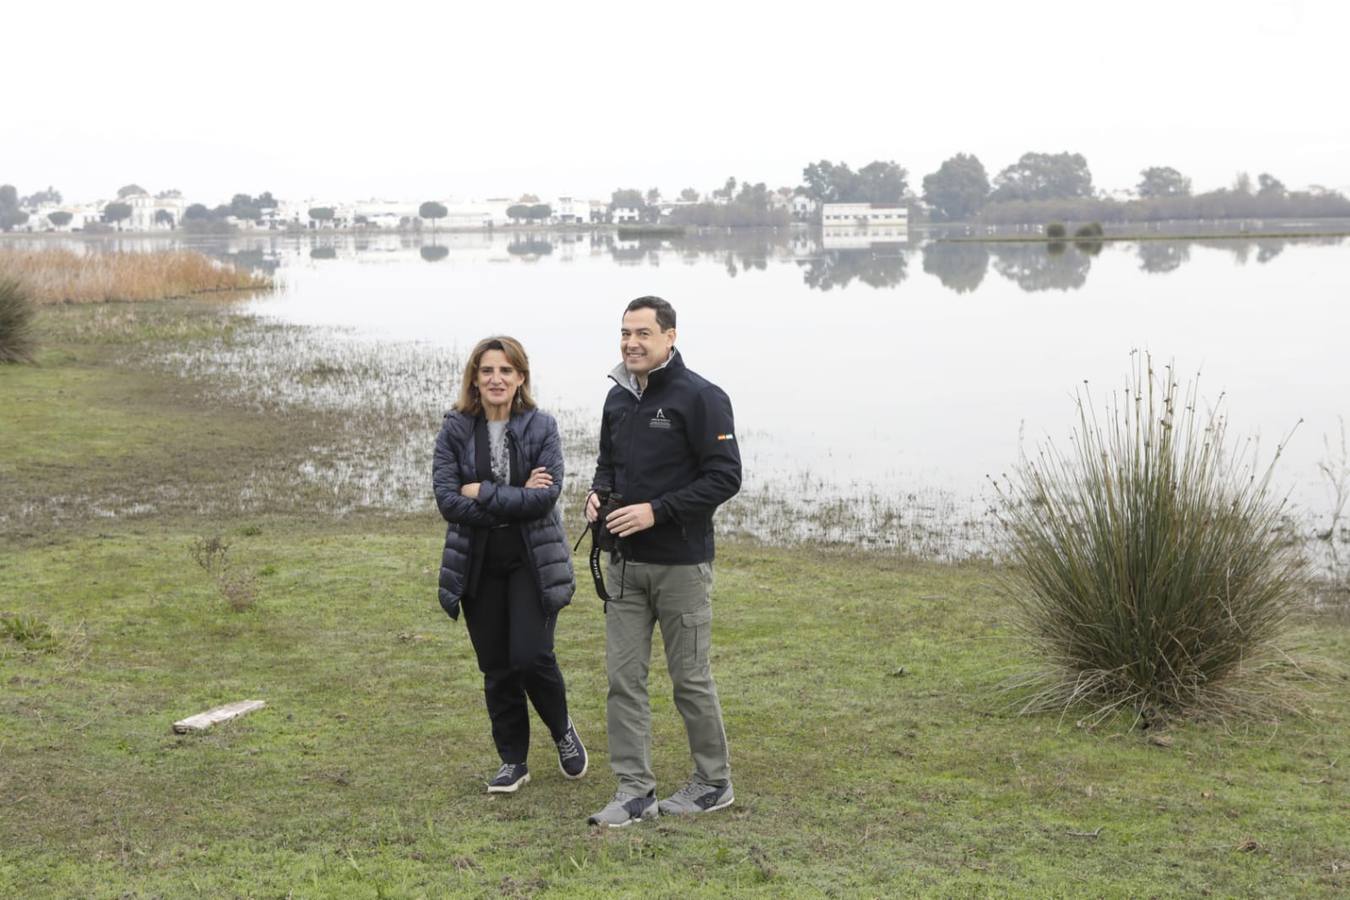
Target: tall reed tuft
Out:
[17,342]
[58,275]
[1148,565]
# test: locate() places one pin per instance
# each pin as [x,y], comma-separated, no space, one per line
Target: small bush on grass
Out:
[238,589]
[16,323]
[1055,231]
[33,634]
[1148,565]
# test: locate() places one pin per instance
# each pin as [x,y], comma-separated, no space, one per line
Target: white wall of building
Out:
[864,215]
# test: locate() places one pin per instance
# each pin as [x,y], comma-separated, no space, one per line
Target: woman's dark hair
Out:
[665,313]
[469,402]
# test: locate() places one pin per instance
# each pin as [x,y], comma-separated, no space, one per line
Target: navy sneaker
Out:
[625,809]
[572,758]
[509,779]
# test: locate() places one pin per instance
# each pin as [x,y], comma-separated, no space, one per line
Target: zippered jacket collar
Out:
[626,380]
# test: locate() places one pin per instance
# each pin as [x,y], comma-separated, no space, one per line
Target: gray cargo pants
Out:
[680,599]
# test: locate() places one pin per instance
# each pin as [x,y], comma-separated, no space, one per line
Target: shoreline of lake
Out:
[935,231]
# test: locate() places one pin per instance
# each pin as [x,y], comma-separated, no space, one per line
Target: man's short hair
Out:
[665,313]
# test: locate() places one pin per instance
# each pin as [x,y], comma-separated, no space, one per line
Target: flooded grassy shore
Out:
[873,751]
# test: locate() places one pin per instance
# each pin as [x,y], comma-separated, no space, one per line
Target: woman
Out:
[497,474]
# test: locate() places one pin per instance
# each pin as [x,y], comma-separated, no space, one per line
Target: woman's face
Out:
[498,380]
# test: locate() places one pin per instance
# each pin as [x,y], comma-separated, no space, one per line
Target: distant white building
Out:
[375,213]
[295,213]
[851,225]
[865,215]
[803,207]
[572,210]
[154,213]
[625,214]
[39,216]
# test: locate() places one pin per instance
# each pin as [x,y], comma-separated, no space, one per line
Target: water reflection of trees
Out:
[255,259]
[735,251]
[881,267]
[530,246]
[1159,257]
[1042,267]
[959,265]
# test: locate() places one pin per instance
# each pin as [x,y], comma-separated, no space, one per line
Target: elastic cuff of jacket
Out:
[660,513]
[485,491]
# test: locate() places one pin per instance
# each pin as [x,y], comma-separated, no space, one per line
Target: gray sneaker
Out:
[697,797]
[625,809]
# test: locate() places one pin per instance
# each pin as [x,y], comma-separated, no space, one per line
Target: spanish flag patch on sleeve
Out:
[726,437]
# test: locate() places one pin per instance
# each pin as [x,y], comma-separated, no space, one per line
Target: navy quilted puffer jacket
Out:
[534,441]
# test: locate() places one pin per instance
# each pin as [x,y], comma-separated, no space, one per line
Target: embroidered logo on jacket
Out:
[659,420]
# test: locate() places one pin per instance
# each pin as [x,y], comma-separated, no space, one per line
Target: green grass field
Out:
[873,754]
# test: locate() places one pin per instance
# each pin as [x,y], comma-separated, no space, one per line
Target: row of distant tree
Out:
[1038,187]
[1043,187]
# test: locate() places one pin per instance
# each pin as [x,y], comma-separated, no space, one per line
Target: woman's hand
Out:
[539,478]
[470,490]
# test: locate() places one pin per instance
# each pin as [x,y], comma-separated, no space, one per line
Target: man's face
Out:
[642,342]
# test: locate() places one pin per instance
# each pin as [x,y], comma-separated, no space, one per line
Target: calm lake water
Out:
[902,370]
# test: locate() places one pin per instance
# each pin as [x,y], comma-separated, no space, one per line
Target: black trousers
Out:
[514,643]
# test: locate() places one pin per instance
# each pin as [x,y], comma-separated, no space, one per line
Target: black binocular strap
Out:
[597,575]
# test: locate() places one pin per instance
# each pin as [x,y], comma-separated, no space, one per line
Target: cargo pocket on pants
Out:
[698,637]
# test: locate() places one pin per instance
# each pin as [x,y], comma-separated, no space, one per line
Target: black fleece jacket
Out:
[675,448]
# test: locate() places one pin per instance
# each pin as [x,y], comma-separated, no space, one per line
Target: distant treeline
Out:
[1219,204]
[1037,188]
[1047,187]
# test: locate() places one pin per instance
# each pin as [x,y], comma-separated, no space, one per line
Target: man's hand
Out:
[539,478]
[470,490]
[628,520]
[592,506]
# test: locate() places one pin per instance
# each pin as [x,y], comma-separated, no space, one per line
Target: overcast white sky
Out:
[417,100]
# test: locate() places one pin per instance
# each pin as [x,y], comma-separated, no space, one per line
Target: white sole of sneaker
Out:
[654,815]
[629,822]
[510,788]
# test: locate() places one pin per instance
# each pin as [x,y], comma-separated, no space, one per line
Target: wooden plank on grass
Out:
[204,720]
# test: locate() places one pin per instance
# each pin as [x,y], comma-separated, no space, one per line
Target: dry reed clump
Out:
[17,343]
[64,276]
[1149,566]
[238,589]
[33,635]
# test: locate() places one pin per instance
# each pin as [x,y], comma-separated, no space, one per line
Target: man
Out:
[668,456]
